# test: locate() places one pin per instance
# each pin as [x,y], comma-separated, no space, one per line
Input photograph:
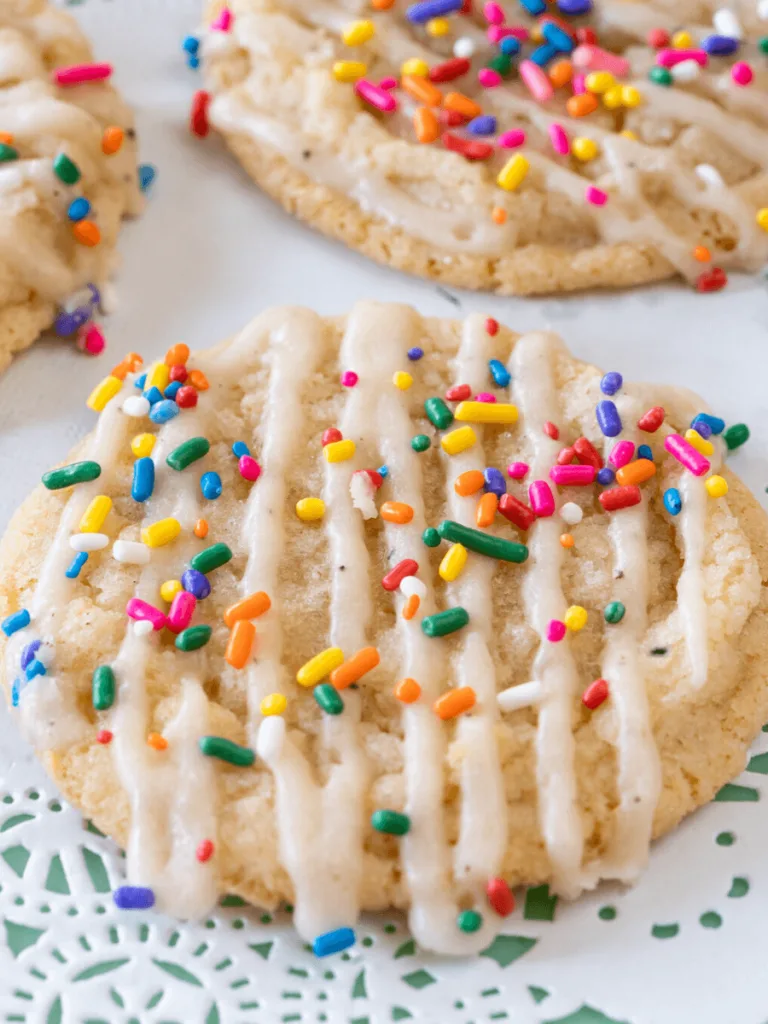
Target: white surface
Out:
[209,253]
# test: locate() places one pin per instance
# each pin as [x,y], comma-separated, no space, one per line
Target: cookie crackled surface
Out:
[386,611]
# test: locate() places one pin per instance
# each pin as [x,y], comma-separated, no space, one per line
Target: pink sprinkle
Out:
[493,14]
[572,476]
[517,470]
[559,138]
[621,453]
[668,58]
[511,139]
[686,454]
[496,33]
[224,21]
[90,339]
[249,467]
[181,611]
[579,84]
[536,81]
[596,196]
[77,73]
[555,631]
[388,83]
[485,396]
[349,378]
[142,611]
[541,498]
[551,430]
[742,73]
[592,58]
[375,95]
[489,78]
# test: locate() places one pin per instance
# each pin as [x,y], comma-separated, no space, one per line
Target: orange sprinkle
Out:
[581,105]
[157,742]
[112,140]
[129,364]
[201,528]
[86,232]
[454,702]
[469,482]
[561,73]
[411,606]
[382,5]
[422,90]
[354,669]
[499,215]
[486,509]
[462,104]
[6,138]
[536,34]
[566,539]
[702,254]
[240,643]
[198,380]
[636,472]
[396,512]
[408,690]
[177,355]
[426,125]
[249,608]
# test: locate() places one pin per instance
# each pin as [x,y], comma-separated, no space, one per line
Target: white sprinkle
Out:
[136,405]
[131,552]
[464,47]
[362,490]
[727,24]
[109,295]
[571,513]
[143,627]
[88,541]
[709,174]
[521,696]
[271,739]
[411,585]
[685,71]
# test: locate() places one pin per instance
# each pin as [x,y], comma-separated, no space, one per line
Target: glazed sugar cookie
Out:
[501,150]
[67,174]
[384,611]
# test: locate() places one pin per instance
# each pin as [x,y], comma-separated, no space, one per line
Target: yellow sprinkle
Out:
[513,172]
[599,81]
[453,562]
[310,509]
[536,34]
[458,440]
[613,99]
[631,96]
[717,486]
[486,412]
[170,589]
[94,516]
[575,618]
[158,376]
[142,445]
[762,218]
[160,533]
[320,666]
[682,41]
[415,66]
[358,32]
[349,70]
[273,704]
[103,393]
[402,380]
[438,27]
[339,451]
[694,438]
[627,133]
[584,149]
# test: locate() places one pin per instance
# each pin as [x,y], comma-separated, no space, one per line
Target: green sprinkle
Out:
[502,63]
[211,558]
[7,153]
[736,435]
[226,750]
[763,44]
[103,688]
[607,913]
[392,822]
[65,170]
[75,473]
[469,921]
[445,622]
[193,638]
[329,699]
[482,543]
[431,537]
[710,920]
[420,443]
[192,450]
[614,612]
[438,413]
[660,76]
[725,839]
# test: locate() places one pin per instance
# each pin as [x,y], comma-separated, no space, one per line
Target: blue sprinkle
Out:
[720,46]
[415,353]
[143,479]
[645,451]
[163,411]
[499,372]
[605,476]
[79,209]
[172,390]
[15,692]
[672,501]
[702,428]
[65,324]
[140,382]
[534,7]
[210,485]
[608,418]
[191,44]
[574,7]
[611,383]
[76,565]
[428,9]
[133,897]
[29,652]
[383,471]
[333,942]
[147,174]
[19,620]
[240,448]
[193,62]
[485,124]
[196,583]
[555,36]
[153,395]
[542,55]
[35,668]
[714,422]
[509,46]
[494,481]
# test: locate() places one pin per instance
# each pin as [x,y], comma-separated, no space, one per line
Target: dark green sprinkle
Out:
[329,699]
[103,688]
[7,153]
[226,750]
[614,612]
[658,652]
[660,76]
[392,822]
[502,63]
[188,452]
[607,913]
[725,839]
[438,413]
[736,435]
[469,921]
[193,638]
[65,170]
[431,537]
[482,543]
[763,44]
[445,622]
[420,443]
[75,473]
[211,558]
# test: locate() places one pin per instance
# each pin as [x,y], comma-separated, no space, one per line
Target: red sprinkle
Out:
[566,456]
[595,694]
[620,497]
[551,431]
[586,37]
[186,397]
[458,393]
[516,511]
[376,478]
[449,70]
[711,280]
[658,38]
[204,851]
[198,117]
[500,896]
[469,149]
[651,421]
[492,326]
[587,454]
[330,436]
[396,575]
[104,736]
[179,373]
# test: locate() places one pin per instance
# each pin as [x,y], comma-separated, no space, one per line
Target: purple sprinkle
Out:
[494,481]
[196,583]
[608,418]
[414,354]
[29,652]
[605,476]
[133,897]
[611,383]
[703,428]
